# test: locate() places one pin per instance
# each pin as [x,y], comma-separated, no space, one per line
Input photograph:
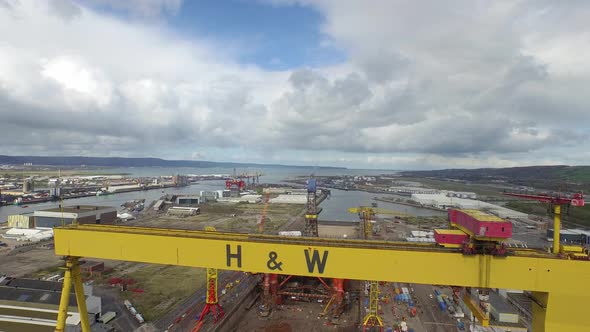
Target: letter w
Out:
[315,260]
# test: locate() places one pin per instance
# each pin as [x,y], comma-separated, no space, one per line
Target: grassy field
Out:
[577,173]
[164,286]
[577,215]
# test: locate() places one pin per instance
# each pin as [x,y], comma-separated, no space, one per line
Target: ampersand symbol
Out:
[272,263]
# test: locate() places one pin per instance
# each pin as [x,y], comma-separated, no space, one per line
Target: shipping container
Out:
[107,317]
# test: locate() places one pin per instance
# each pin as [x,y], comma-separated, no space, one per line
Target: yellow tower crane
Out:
[367,215]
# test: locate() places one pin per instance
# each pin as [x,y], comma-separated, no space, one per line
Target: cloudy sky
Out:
[365,84]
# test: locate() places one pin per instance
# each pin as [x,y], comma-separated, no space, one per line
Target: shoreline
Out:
[409,204]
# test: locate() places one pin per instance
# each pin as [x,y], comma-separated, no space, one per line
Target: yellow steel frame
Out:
[476,310]
[559,286]
[72,273]
[373,318]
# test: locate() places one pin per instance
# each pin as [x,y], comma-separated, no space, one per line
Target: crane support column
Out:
[556,228]
[212,302]
[64,301]
[550,312]
[80,298]
[72,272]
[373,318]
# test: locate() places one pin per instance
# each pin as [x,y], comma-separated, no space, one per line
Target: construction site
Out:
[259,258]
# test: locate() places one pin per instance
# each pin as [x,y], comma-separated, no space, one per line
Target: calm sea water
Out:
[334,208]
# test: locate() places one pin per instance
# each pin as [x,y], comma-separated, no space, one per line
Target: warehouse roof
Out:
[33,291]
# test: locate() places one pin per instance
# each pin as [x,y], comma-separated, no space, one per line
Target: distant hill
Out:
[548,177]
[73,161]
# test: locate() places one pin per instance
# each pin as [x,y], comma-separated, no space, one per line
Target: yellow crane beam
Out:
[559,286]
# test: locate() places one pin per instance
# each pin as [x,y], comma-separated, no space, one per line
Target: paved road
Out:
[429,314]
[111,301]
[191,314]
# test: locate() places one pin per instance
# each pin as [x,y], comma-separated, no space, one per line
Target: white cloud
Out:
[426,85]
[142,8]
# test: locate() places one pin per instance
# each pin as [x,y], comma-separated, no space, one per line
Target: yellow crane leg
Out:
[72,273]
[80,298]
[556,228]
[557,311]
[64,301]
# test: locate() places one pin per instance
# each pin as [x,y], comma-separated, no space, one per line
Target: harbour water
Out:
[334,208]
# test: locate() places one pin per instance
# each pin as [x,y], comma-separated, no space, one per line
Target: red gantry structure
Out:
[555,203]
[475,231]
[212,301]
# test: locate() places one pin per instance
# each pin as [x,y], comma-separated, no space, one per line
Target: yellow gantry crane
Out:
[558,285]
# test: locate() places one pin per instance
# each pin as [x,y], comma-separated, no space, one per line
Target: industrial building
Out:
[407,191]
[575,236]
[182,211]
[32,305]
[123,188]
[28,234]
[208,196]
[443,201]
[158,205]
[501,310]
[28,186]
[25,220]
[180,180]
[82,214]
[188,200]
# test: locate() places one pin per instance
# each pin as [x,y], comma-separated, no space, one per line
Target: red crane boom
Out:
[575,200]
[556,202]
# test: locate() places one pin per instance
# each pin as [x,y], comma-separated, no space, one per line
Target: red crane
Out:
[555,202]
